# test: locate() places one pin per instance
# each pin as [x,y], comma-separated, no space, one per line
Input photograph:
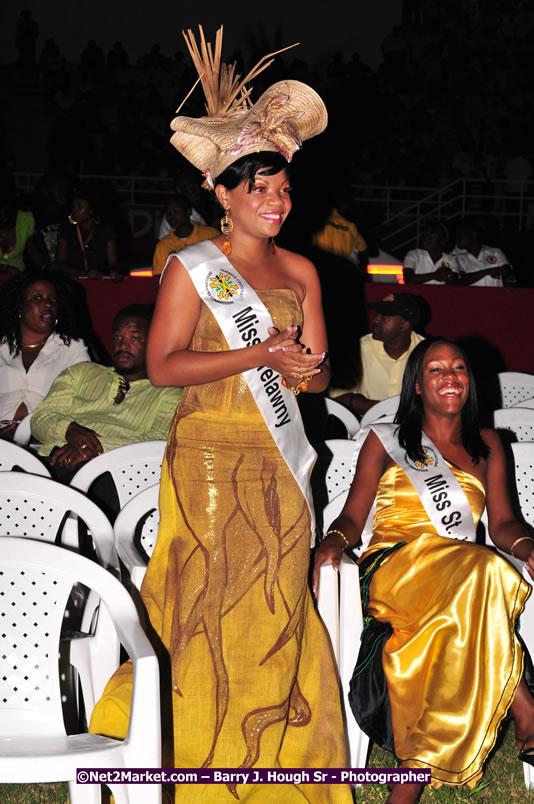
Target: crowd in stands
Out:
[450,90]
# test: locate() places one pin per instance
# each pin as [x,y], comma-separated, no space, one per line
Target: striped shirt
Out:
[84,393]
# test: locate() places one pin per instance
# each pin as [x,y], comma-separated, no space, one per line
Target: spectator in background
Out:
[482,265]
[384,352]
[341,237]
[38,340]
[50,205]
[188,183]
[92,408]
[19,248]
[86,245]
[430,264]
[183,232]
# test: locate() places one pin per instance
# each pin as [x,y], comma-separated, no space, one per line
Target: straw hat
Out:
[287,113]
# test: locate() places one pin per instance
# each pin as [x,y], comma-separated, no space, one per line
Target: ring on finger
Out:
[298,373]
[84,446]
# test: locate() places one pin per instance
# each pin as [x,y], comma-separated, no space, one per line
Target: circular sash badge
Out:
[224,287]
[429,461]
[491,258]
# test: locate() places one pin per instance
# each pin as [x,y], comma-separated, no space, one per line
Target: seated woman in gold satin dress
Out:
[451,660]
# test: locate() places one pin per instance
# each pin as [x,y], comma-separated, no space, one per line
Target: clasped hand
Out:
[82,444]
[289,357]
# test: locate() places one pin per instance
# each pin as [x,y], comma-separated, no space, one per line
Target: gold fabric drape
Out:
[253,680]
[453,662]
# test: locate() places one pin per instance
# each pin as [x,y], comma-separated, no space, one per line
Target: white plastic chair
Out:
[520,421]
[36,507]
[13,455]
[525,403]
[386,407]
[132,467]
[340,469]
[523,453]
[23,433]
[348,419]
[340,608]
[36,580]
[515,387]
[143,511]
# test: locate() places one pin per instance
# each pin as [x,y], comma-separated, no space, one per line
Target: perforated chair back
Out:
[12,455]
[133,468]
[386,407]
[520,422]
[515,387]
[32,607]
[35,583]
[341,467]
[348,419]
[525,403]
[137,526]
[523,453]
[37,507]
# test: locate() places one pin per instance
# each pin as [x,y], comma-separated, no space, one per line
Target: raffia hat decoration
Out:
[287,113]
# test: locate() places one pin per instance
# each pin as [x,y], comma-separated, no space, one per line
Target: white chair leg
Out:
[328,604]
[84,793]
[351,624]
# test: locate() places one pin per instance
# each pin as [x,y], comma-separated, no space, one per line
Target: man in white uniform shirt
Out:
[384,352]
[430,264]
[482,265]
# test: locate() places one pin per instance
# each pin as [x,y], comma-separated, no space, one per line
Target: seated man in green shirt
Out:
[91,408]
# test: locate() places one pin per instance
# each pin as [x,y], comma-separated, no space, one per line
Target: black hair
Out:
[269,163]
[410,411]
[181,199]
[89,193]
[433,225]
[144,311]
[473,224]
[12,296]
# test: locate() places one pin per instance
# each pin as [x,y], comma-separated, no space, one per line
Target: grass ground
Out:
[503,783]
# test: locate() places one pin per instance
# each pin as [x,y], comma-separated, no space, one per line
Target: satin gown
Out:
[453,661]
[253,679]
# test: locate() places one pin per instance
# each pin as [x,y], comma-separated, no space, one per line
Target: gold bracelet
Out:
[521,539]
[340,533]
[303,385]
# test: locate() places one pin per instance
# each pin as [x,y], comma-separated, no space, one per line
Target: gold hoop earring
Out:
[227,226]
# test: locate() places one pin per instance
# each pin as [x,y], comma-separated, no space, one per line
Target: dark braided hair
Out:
[12,297]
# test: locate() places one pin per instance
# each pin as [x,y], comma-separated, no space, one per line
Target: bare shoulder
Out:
[491,438]
[300,268]
[296,262]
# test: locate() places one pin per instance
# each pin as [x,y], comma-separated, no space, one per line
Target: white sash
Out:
[244,321]
[440,493]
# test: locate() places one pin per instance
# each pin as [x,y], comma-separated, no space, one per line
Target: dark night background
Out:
[419,94]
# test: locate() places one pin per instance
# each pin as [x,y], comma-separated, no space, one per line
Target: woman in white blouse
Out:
[37,342]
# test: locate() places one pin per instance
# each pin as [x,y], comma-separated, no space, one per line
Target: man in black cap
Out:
[384,352]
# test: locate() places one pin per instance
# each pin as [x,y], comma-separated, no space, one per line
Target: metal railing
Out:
[403,210]
[402,217]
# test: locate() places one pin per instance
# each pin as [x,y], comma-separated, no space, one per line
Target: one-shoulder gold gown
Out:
[253,679]
[453,662]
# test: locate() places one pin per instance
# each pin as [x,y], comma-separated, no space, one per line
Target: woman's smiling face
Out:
[262,211]
[444,385]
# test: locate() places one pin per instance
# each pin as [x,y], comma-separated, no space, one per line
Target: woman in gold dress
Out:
[253,680]
[443,610]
